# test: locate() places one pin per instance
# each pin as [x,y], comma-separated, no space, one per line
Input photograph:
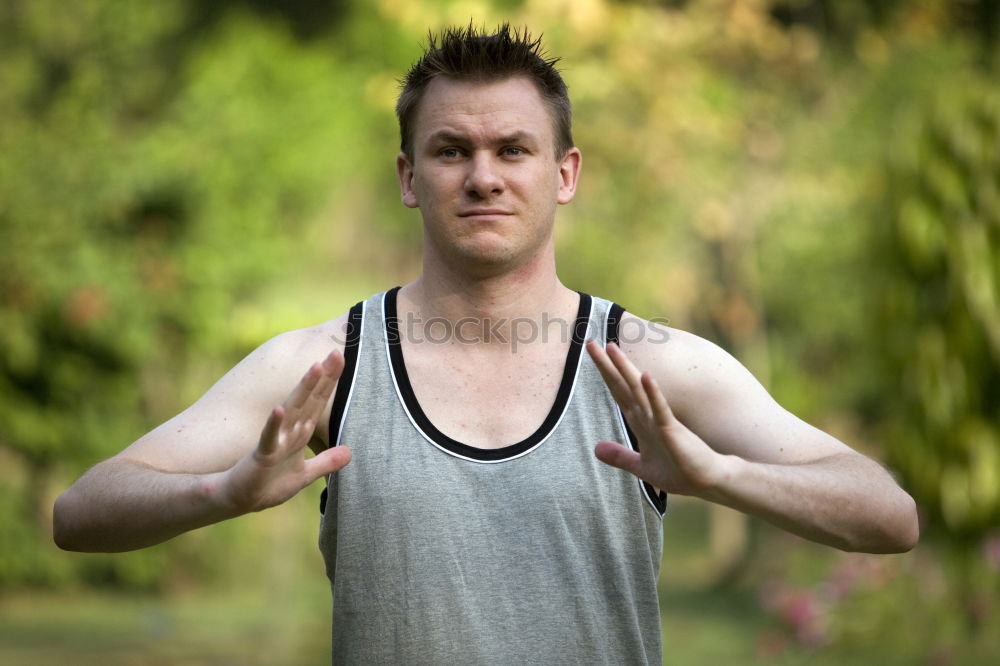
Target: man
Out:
[477,523]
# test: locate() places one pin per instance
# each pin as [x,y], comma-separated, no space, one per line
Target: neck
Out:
[529,292]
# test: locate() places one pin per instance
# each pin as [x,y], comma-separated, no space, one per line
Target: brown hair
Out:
[466,54]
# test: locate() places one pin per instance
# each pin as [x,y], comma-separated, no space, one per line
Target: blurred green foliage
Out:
[940,296]
[151,182]
[812,184]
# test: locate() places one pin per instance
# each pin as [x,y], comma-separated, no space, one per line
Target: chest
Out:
[486,400]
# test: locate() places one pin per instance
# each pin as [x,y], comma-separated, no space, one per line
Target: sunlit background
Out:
[812,184]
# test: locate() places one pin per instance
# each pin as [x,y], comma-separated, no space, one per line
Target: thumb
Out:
[327,462]
[616,455]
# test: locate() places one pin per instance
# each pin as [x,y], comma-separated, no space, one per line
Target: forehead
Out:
[483,108]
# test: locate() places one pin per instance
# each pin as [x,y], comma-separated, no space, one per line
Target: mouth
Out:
[483,213]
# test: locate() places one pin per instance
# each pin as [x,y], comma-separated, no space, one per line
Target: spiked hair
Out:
[467,54]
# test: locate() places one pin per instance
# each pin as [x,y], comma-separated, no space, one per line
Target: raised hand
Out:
[671,457]
[277,468]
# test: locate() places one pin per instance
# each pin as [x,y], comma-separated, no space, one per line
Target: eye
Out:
[513,151]
[449,153]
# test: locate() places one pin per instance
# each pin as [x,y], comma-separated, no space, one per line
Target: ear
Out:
[404,173]
[569,171]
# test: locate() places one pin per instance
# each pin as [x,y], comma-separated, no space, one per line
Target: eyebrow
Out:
[448,136]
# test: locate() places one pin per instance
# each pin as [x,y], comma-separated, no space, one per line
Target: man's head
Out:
[464,54]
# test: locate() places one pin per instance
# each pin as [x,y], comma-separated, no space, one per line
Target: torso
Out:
[441,552]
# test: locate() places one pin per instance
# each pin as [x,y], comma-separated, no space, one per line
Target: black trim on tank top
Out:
[658,499]
[455,447]
[338,408]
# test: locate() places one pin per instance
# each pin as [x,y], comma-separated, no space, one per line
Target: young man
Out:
[503,504]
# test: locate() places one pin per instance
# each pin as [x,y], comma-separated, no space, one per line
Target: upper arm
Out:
[225,423]
[715,396]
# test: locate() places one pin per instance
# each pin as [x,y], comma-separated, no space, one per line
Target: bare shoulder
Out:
[284,353]
[714,395]
[226,421]
[270,371]
[268,374]
[703,383]
[680,360]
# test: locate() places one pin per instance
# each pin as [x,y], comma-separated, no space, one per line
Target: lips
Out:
[484,212]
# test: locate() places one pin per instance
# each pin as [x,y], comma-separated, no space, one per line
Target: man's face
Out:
[484,173]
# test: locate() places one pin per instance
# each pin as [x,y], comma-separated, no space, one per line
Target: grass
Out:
[102,628]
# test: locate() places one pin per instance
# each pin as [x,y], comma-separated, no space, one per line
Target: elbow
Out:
[62,524]
[907,532]
[897,531]
[60,529]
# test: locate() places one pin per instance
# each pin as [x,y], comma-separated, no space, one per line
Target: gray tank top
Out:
[442,553]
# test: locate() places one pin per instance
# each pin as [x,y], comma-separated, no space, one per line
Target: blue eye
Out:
[449,152]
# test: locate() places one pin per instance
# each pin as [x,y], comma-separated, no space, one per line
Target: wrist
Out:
[212,488]
[728,470]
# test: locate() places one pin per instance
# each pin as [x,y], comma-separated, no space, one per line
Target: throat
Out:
[529,292]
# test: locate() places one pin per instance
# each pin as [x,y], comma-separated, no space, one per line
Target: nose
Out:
[483,180]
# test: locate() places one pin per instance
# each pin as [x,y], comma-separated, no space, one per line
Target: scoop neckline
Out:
[452,446]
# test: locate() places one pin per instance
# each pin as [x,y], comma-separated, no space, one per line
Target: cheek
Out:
[544,189]
[435,188]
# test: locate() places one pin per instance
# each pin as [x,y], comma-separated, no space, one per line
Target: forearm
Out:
[122,505]
[846,501]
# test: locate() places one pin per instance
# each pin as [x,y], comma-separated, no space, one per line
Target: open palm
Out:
[671,456]
[277,468]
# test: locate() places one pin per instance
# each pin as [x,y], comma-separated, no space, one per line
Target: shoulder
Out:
[717,398]
[692,371]
[232,412]
[668,350]
[304,342]
[274,367]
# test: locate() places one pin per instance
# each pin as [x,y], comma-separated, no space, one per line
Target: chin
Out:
[488,260]
[487,253]
[483,260]
[485,248]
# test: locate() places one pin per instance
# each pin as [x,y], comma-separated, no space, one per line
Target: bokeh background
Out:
[814,185]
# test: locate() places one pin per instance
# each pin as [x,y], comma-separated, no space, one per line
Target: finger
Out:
[316,400]
[269,435]
[333,364]
[305,387]
[631,375]
[616,455]
[330,369]
[663,415]
[327,462]
[612,377]
[298,395]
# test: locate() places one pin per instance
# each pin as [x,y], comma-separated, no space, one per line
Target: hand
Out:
[671,457]
[277,468]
